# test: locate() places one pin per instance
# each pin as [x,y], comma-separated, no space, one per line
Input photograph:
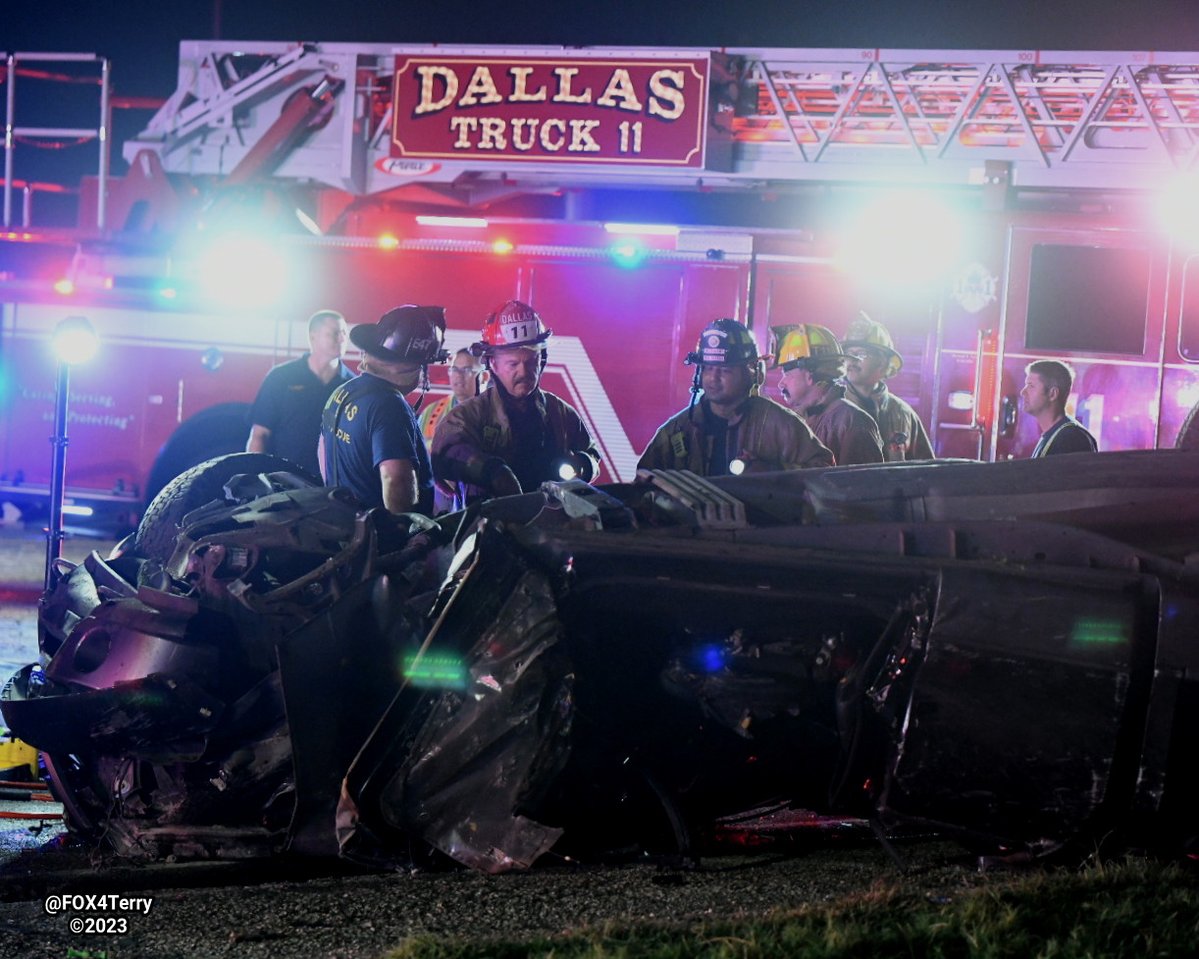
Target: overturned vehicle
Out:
[1003,652]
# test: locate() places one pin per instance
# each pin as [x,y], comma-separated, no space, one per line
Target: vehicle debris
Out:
[1000,652]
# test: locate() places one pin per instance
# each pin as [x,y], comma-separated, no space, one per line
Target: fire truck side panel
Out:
[106,422]
[154,370]
[366,283]
[815,290]
[1180,376]
[635,326]
[962,366]
[1096,300]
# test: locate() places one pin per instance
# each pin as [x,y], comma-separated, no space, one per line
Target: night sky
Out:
[141,36]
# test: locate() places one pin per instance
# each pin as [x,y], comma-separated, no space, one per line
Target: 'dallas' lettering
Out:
[441,87]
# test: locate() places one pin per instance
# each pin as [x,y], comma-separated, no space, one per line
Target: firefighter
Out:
[1047,385]
[515,435]
[810,361]
[730,428]
[871,361]
[286,415]
[467,379]
[370,440]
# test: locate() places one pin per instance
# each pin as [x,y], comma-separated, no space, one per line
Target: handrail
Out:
[12,131]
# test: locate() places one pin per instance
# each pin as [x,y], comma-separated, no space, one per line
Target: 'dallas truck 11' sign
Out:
[552,109]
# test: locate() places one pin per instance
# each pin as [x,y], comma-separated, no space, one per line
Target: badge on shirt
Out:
[491,437]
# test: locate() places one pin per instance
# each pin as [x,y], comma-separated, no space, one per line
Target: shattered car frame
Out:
[1006,652]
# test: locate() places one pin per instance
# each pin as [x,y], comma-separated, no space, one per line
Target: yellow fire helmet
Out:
[804,346]
[869,333]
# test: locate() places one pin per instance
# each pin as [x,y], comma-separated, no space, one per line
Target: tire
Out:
[212,432]
[160,525]
[1188,436]
[73,783]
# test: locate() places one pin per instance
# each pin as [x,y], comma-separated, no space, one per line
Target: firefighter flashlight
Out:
[575,466]
[74,341]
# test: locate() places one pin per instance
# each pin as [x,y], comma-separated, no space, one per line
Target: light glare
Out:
[903,241]
[1178,211]
[629,254]
[243,270]
[75,340]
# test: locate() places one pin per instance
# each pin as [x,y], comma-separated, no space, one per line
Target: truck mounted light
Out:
[628,254]
[75,340]
[641,229]
[466,222]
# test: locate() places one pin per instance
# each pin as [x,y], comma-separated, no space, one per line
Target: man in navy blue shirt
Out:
[286,416]
[1047,385]
[371,442]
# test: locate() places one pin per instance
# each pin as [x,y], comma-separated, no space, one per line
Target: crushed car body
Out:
[1005,652]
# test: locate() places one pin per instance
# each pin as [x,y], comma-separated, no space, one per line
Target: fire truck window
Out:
[1087,299]
[1188,334]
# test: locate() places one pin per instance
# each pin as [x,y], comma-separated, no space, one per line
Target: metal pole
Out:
[9,142]
[105,148]
[58,472]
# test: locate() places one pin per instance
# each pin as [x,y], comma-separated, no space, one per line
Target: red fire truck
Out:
[989,207]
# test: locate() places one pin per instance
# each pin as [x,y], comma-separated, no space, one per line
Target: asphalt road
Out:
[248,910]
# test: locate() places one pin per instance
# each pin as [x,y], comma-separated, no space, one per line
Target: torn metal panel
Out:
[1012,713]
[492,736]
[155,716]
[339,674]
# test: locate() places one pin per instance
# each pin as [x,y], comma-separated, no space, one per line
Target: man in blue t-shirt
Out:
[371,442]
[286,416]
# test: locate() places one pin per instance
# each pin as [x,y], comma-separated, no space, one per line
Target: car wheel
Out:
[212,432]
[156,533]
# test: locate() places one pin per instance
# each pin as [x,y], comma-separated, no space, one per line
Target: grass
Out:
[1134,908]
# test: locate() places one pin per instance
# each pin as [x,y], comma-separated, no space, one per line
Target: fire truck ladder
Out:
[1041,119]
[1104,120]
